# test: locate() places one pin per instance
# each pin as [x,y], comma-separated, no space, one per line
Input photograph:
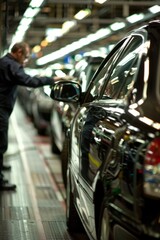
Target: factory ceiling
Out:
[54,13]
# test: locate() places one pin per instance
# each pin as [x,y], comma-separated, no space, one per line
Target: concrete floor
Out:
[36,210]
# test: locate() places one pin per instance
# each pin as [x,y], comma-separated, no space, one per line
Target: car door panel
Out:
[100,133]
[94,126]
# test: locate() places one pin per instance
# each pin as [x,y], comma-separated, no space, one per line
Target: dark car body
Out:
[113,176]
[37,102]
[63,112]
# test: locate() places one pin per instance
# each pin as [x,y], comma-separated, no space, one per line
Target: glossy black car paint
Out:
[113,176]
[62,112]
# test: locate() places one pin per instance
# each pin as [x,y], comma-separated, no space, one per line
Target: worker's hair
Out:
[19,46]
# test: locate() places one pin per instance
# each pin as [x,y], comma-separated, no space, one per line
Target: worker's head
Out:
[21,52]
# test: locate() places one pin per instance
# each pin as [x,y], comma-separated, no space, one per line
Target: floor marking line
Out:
[28,177]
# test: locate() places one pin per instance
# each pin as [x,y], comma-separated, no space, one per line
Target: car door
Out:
[99,121]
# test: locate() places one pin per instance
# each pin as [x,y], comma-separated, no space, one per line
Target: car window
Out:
[101,77]
[122,78]
[98,83]
[96,86]
[87,75]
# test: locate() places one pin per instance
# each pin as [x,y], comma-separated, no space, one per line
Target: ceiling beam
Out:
[84,2]
[50,20]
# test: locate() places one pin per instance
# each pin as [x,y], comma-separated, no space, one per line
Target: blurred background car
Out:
[113,173]
[41,109]
[25,99]
[37,102]
[37,105]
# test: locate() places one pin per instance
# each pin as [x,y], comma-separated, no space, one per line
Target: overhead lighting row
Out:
[32,11]
[103,32]
[28,17]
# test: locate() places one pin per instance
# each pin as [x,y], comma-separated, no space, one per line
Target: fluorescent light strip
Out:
[135,18]
[118,25]
[25,22]
[154,9]
[36,3]
[31,12]
[100,1]
[82,14]
[74,46]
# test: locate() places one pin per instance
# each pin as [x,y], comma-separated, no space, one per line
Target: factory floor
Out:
[36,210]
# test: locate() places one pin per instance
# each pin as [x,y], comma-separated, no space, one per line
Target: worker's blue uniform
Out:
[12,74]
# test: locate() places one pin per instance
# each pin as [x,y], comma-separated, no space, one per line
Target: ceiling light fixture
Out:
[100,1]
[20,32]
[66,26]
[26,20]
[44,43]
[31,12]
[35,3]
[118,25]
[53,33]
[154,9]
[36,49]
[135,18]
[82,14]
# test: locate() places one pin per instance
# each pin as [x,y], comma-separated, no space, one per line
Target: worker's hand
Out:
[67,77]
[56,78]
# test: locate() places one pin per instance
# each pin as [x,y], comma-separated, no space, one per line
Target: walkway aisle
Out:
[36,210]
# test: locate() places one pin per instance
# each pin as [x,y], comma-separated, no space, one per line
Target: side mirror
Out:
[66,91]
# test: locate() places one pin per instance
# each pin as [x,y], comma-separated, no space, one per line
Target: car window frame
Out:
[132,37]
[118,48]
[87,97]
